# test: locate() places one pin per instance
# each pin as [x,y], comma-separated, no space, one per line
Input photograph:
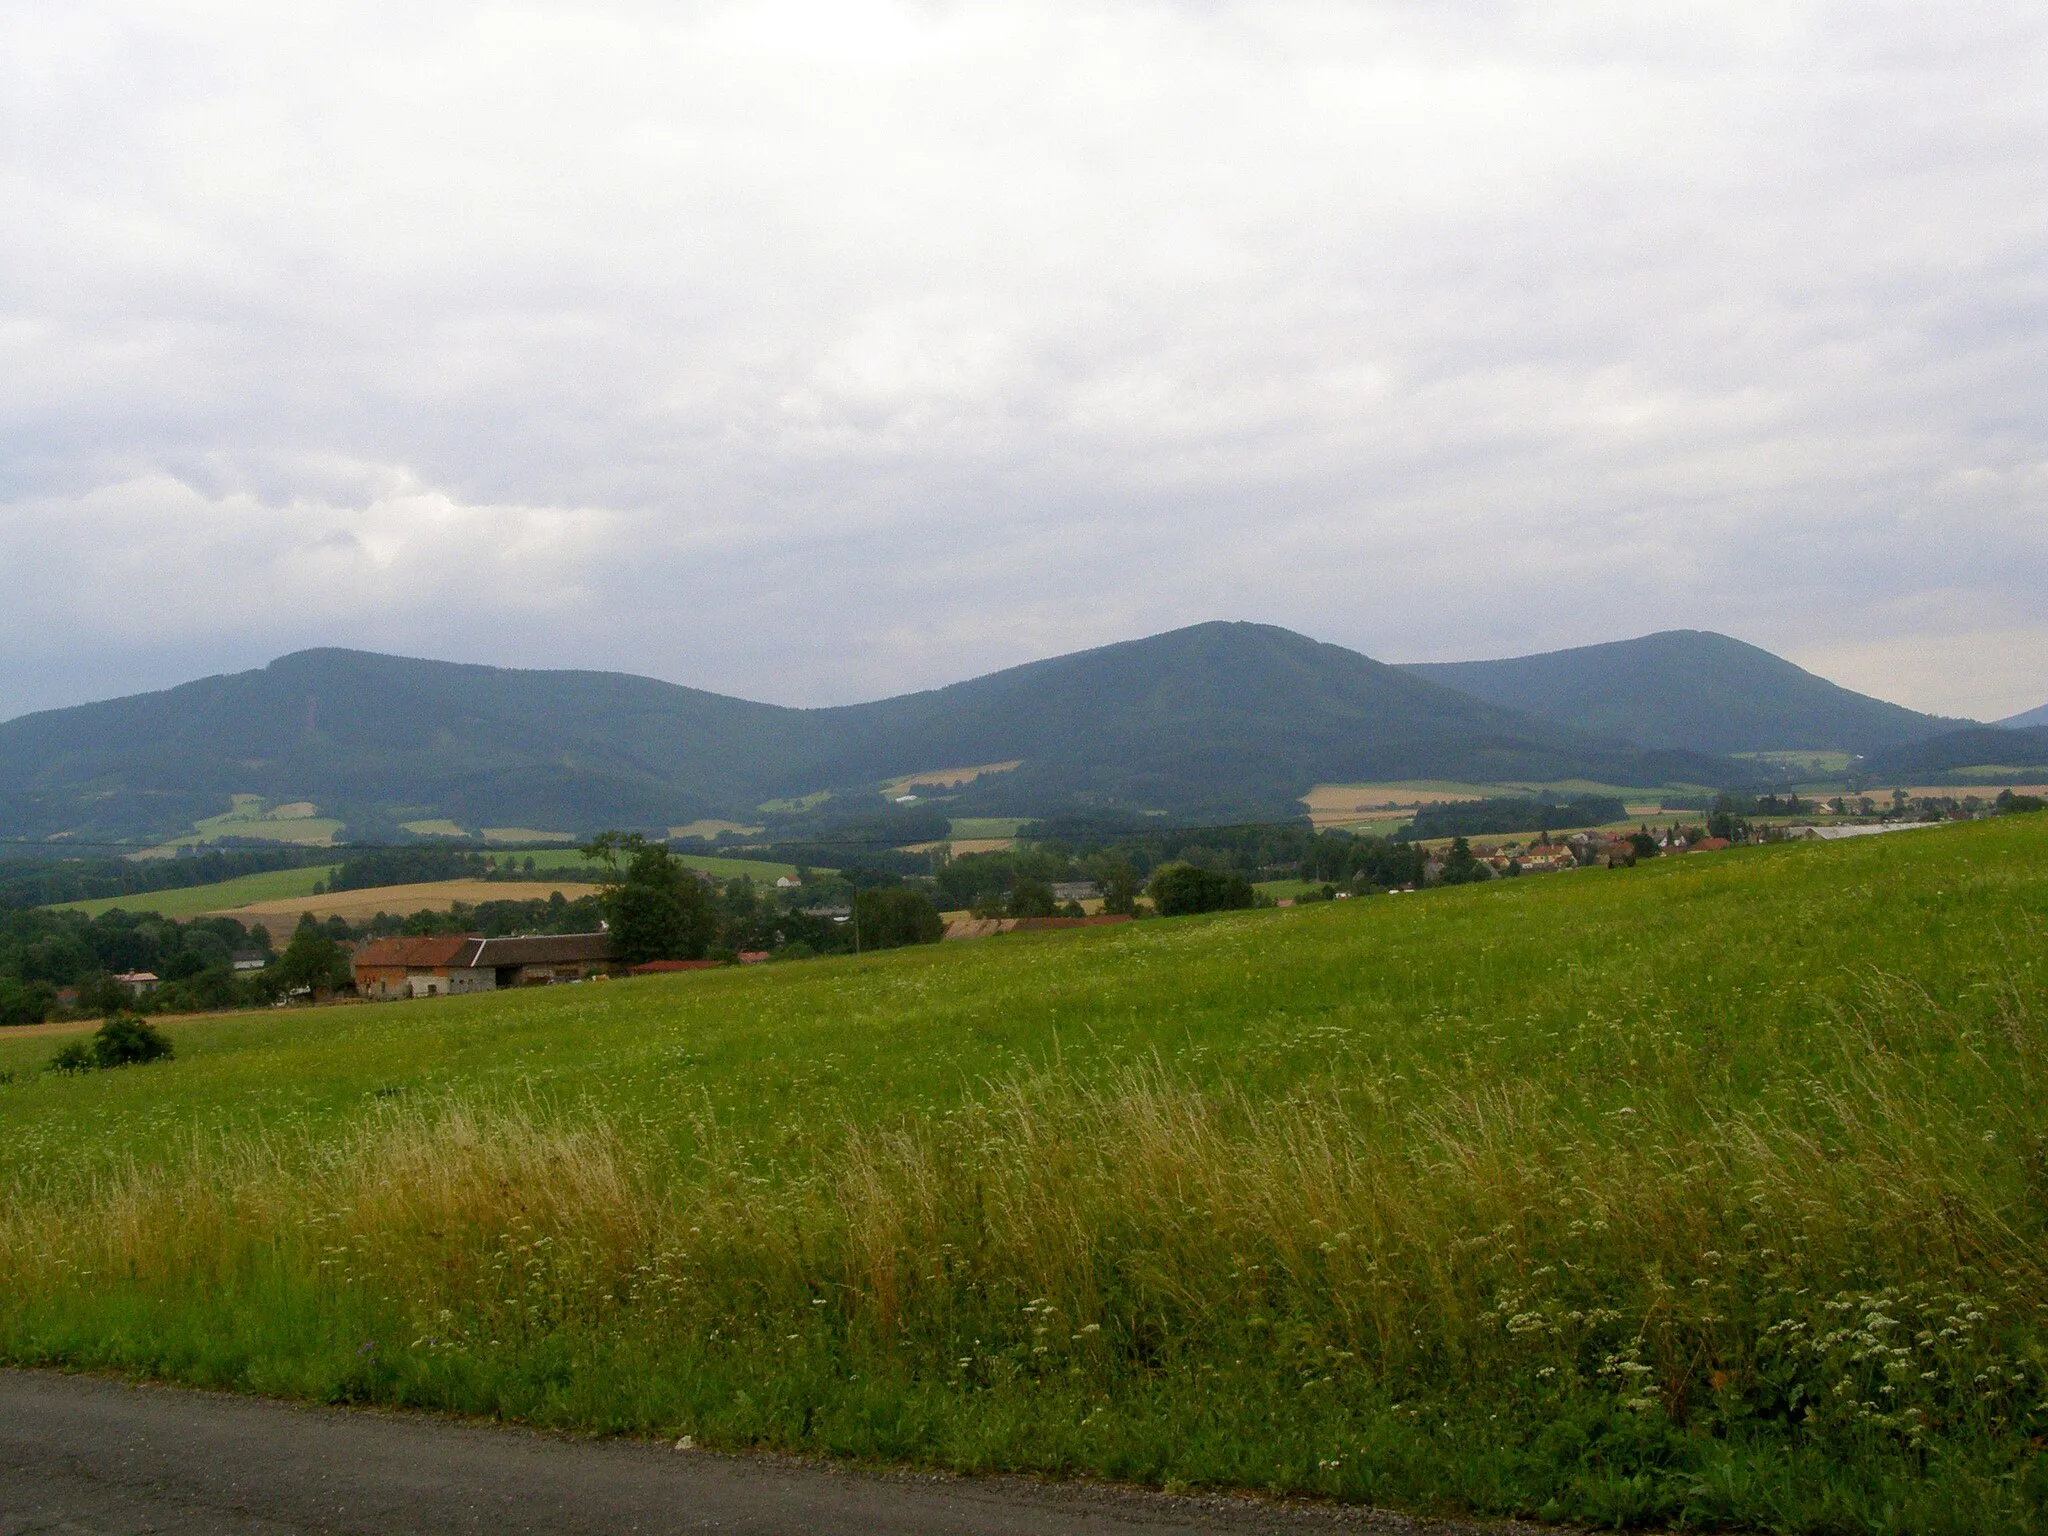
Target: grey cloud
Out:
[814,352]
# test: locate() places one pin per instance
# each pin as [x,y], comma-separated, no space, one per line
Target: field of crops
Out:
[1712,1192]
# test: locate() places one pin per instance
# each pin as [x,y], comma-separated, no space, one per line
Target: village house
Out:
[138,983]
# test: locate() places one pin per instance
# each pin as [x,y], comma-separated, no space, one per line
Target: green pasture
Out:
[193,900]
[1710,1193]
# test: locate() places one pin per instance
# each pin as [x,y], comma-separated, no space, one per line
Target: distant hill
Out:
[1214,721]
[2031,717]
[1982,746]
[1691,690]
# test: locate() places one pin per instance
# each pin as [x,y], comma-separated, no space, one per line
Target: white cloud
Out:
[816,351]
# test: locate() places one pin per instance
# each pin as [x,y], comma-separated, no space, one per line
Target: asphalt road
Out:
[91,1457]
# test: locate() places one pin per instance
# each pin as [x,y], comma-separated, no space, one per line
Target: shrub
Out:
[123,1040]
[1179,889]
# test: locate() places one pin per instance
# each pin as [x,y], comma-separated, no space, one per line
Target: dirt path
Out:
[86,1456]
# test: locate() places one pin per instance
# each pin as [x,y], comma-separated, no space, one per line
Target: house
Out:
[787,882]
[1076,890]
[547,957]
[138,983]
[437,965]
[247,960]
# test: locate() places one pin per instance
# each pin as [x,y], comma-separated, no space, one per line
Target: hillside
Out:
[1587,1197]
[1688,689]
[2029,718]
[1216,720]
[1984,746]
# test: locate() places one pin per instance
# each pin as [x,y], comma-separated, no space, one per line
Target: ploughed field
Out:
[1712,1191]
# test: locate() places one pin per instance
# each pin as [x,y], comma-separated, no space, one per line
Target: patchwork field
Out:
[947,778]
[250,816]
[1662,1195]
[711,827]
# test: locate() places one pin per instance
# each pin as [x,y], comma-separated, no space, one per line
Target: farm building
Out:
[436,966]
[547,957]
[442,966]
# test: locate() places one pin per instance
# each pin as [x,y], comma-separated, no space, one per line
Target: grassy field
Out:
[1712,1192]
[197,900]
[988,826]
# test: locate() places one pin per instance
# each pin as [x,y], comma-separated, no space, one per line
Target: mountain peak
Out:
[1689,689]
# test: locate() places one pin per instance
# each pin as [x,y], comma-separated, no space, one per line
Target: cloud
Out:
[817,351]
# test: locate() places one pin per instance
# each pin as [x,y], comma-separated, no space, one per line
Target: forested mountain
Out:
[1213,721]
[1689,689]
[2031,717]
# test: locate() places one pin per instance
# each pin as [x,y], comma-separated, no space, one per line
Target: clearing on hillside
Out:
[1705,1194]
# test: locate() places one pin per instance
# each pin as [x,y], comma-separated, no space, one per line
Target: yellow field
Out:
[961,845]
[433,895]
[525,835]
[947,778]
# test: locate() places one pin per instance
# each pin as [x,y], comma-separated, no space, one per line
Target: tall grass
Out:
[1819,1305]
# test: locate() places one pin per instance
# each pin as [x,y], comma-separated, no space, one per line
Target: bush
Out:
[890,918]
[1032,898]
[1180,889]
[123,1040]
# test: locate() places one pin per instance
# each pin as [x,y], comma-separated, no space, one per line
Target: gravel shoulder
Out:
[87,1455]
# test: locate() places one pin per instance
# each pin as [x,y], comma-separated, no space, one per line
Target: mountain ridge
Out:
[1211,721]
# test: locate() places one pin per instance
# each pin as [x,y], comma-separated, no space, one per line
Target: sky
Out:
[818,352]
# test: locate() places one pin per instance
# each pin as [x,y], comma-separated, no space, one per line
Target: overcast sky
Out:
[819,352]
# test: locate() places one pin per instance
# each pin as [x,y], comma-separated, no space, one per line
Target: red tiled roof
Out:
[427,952]
[663,967]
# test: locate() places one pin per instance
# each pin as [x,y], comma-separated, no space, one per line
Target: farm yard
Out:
[1660,1195]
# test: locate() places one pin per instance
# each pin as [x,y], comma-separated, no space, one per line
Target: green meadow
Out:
[1708,1193]
[194,900]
